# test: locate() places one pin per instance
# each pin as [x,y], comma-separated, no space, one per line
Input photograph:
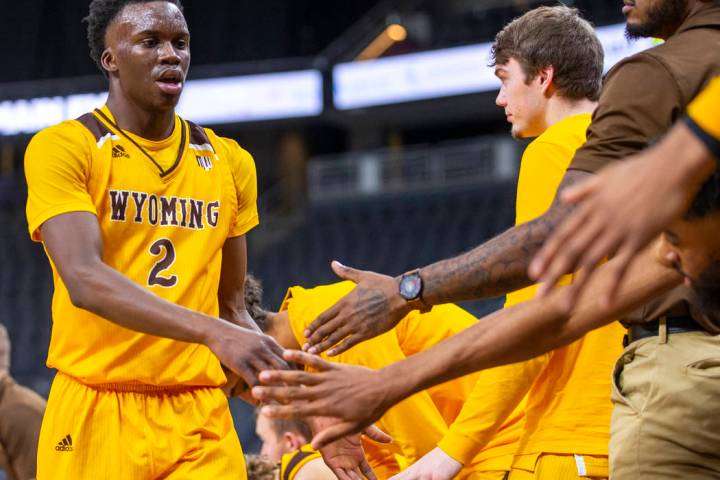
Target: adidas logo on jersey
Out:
[119,151]
[65,445]
[204,162]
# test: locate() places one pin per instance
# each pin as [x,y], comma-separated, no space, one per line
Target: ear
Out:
[107,60]
[293,440]
[546,75]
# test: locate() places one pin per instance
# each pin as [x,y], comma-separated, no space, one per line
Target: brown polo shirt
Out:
[21,412]
[642,96]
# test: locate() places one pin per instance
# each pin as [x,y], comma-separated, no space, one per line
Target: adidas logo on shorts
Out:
[119,151]
[64,445]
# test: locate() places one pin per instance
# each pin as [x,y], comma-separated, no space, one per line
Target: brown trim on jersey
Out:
[296,459]
[181,150]
[96,127]
[198,135]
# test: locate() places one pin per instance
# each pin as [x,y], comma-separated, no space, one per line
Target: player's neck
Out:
[559,109]
[156,125]
[281,330]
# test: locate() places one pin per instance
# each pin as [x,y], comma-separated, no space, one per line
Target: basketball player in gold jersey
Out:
[143,216]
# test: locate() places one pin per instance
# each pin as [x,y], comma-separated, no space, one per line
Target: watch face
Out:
[410,286]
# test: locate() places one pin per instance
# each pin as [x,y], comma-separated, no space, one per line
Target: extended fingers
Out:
[341,474]
[619,267]
[321,335]
[367,470]
[564,250]
[293,410]
[322,319]
[312,361]
[579,192]
[289,377]
[334,337]
[377,435]
[550,254]
[347,344]
[334,433]
[282,393]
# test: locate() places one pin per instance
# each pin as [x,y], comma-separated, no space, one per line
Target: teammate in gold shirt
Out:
[143,216]
[419,423]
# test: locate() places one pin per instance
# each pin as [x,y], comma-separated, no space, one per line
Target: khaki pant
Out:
[666,421]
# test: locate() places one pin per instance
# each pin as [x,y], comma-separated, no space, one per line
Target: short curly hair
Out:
[254,302]
[260,468]
[100,16]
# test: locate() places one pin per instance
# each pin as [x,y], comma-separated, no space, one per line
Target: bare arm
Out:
[231,300]
[74,244]
[535,327]
[494,268]
[359,396]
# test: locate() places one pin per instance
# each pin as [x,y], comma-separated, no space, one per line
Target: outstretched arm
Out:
[360,396]
[74,244]
[231,301]
[623,208]
[492,269]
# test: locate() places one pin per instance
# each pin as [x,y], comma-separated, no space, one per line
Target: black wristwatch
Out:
[410,288]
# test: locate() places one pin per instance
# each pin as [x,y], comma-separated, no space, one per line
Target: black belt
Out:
[682,324]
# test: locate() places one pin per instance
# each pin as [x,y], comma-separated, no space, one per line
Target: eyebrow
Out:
[183,33]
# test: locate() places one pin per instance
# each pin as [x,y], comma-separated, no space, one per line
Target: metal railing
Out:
[415,168]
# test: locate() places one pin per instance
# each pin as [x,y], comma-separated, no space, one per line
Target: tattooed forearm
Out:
[498,266]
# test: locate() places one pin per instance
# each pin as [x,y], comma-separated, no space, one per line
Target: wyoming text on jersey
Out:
[163,210]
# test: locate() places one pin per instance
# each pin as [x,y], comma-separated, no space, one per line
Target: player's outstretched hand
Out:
[373,307]
[434,465]
[245,352]
[345,457]
[355,396]
[620,210]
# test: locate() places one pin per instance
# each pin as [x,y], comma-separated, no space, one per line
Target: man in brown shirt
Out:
[21,412]
[641,98]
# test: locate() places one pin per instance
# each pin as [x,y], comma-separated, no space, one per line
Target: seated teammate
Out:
[420,424]
[286,442]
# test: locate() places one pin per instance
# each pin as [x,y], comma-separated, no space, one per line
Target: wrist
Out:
[211,331]
[394,385]
[410,288]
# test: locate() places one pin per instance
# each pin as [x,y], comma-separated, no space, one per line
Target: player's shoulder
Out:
[637,69]
[70,133]
[225,146]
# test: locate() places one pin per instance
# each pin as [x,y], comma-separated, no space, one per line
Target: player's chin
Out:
[166,101]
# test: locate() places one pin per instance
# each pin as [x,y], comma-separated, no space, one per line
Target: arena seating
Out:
[389,234]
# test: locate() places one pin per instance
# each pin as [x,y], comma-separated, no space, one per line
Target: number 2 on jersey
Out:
[164,263]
